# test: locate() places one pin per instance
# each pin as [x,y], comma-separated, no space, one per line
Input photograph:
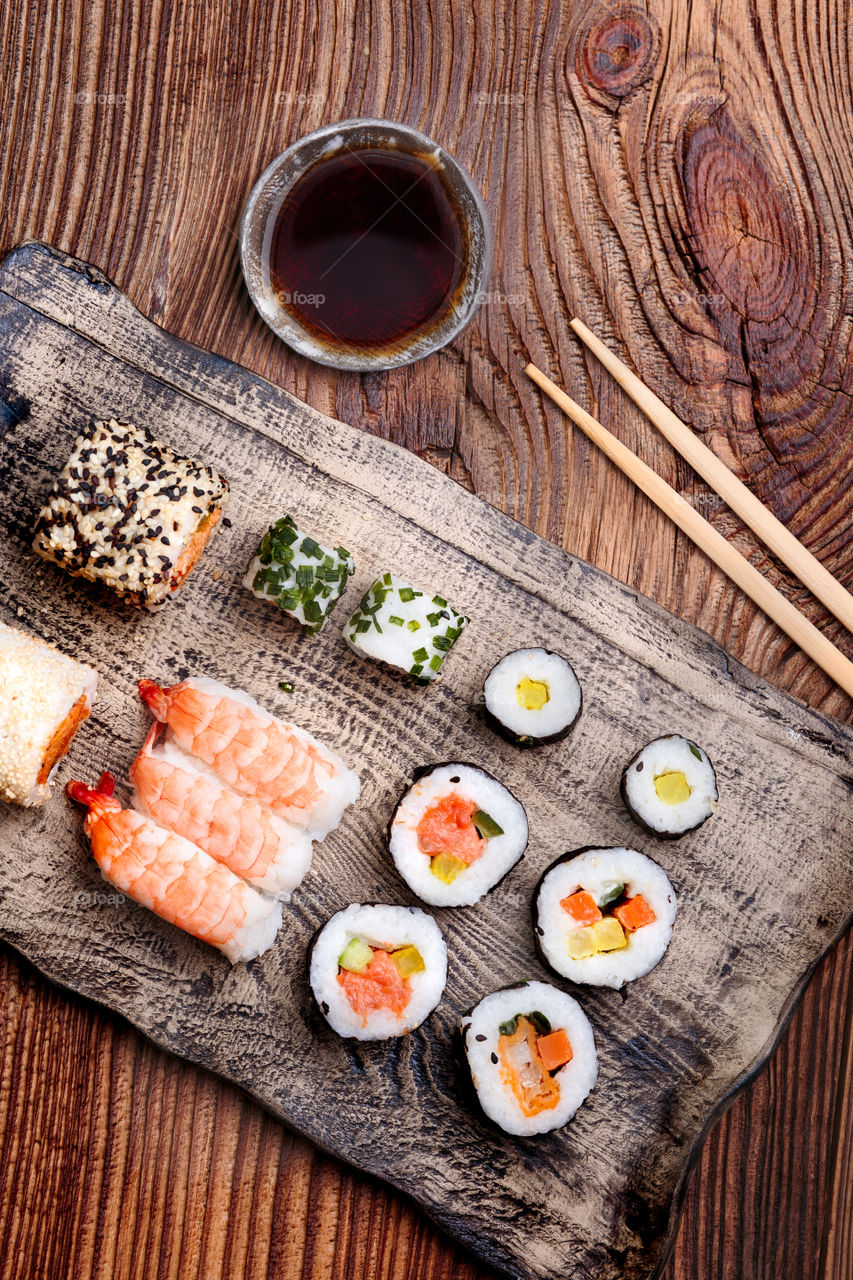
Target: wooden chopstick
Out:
[741,572]
[712,469]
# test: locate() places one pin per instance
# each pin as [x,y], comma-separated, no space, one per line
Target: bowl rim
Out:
[299,157]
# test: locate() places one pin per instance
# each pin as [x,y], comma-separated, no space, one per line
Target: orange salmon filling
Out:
[192,551]
[524,1071]
[446,827]
[379,986]
[61,740]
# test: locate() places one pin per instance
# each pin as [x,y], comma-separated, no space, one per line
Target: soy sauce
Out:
[368,249]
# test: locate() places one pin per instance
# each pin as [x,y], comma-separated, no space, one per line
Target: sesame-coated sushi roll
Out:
[532,697]
[129,513]
[670,787]
[603,916]
[294,571]
[531,1054]
[456,833]
[44,698]
[377,971]
[405,627]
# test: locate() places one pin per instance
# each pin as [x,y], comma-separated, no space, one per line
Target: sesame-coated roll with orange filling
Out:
[128,512]
[44,698]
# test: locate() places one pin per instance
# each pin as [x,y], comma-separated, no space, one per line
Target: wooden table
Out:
[678,175]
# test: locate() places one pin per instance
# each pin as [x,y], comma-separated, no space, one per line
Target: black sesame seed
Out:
[226,523]
[454,779]
[494,1058]
[480,1038]
[640,767]
[324,1006]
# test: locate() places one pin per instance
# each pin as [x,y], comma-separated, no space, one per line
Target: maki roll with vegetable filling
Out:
[670,787]
[129,513]
[531,1053]
[404,627]
[44,698]
[305,579]
[455,833]
[603,916]
[377,971]
[532,696]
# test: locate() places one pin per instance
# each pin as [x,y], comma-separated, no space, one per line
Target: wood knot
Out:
[742,221]
[617,51]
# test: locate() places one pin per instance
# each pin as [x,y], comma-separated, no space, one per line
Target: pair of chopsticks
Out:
[741,500]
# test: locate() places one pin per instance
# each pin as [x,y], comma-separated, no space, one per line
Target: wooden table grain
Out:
[680,176]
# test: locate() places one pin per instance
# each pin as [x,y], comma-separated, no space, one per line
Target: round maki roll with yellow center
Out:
[455,833]
[532,697]
[603,916]
[531,1054]
[670,787]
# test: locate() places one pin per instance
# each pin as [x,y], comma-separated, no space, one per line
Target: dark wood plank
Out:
[129,184]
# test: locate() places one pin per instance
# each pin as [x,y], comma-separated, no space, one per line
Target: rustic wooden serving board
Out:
[764,889]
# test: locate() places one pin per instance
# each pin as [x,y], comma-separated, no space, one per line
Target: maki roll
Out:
[531,1054]
[405,627]
[174,878]
[377,971]
[603,916]
[670,787]
[532,696]
[44,698]
[455,833]
[129,513]
[294,571]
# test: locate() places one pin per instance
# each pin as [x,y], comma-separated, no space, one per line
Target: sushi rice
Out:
[461,792]
[670,787]
[599,873]
[542,1100]
[386,929]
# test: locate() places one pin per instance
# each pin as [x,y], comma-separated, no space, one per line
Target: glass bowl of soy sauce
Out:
[365,245]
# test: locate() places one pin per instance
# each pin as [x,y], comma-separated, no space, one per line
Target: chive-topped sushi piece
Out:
[377,971]
[670,787]
[532,697]
[405,627]
[128,512]
[531,1053]
[455,833]
[603,916]
[303,577]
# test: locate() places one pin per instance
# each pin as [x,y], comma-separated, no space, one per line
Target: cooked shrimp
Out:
[174,878]
[272,762]
[190,800]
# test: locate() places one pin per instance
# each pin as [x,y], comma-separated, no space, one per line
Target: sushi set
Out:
[509,865]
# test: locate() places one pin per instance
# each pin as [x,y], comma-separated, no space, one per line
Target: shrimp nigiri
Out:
[266,759]
[188,798]
[174,878]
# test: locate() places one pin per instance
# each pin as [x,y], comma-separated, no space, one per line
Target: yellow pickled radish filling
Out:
[606,934]
[531,694]
[672,788]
